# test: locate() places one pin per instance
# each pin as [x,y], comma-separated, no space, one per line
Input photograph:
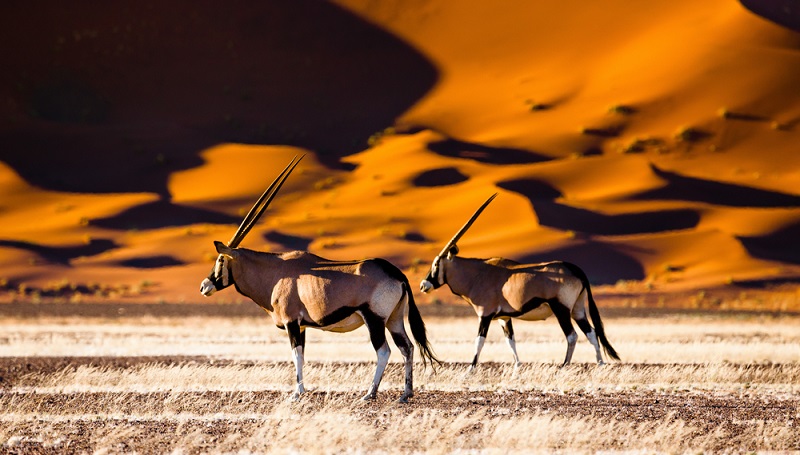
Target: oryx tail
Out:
[415,321]
[418,329]
[593,312]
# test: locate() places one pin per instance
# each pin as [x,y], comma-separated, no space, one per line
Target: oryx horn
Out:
[262,203]
[466,225]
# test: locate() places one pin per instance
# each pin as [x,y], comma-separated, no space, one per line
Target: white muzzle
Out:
[207,287]
[425,286]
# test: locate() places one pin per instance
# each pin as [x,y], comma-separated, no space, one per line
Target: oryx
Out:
[503,289]
[299,290]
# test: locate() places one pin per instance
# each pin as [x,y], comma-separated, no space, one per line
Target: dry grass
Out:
[687,384]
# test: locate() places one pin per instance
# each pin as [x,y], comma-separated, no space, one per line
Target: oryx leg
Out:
[377,335]
[483,329]
[579,314]
[565,321]
[398,331]
[297,338]
[508,330]
[587,329]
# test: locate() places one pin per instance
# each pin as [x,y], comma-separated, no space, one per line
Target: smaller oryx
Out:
[503,289]
[300,290]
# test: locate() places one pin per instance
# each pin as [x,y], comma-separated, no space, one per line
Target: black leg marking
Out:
[584,325]
[565,321]
[508,329]
[483,326]
[297,337]
[402,342]
[483,329]
[376,327]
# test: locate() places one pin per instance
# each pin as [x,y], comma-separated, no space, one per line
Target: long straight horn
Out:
[466,225]
[262,203]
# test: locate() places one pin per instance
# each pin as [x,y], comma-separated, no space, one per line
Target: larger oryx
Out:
[299,290]
[503,289]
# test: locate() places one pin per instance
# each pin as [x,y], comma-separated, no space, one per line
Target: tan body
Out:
[300,290]
[502,289]
[301,287]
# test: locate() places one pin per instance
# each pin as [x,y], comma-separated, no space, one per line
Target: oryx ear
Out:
[223,249]
[452,252]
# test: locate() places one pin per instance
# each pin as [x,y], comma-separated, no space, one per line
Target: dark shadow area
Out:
[114,97]
[289,242]
[440,177]
[603,263]
[569,218]
[534,190]
[485,154]
[151,262]
[782,245]
[415,237]
[161,214]
[782,12]
[684,188]
[765,284]
[62,255]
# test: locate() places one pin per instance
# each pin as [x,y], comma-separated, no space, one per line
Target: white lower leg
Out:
[383,359]
[513,345]
[297,356]
[593,339]
[479,341]
[572,338]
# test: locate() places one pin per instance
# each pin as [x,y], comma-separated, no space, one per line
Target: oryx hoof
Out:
[405,397]
[295,397]
[369,397]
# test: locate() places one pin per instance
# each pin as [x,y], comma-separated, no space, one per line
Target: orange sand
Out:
[686,109]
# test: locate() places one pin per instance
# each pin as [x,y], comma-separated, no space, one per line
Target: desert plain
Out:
[654,145]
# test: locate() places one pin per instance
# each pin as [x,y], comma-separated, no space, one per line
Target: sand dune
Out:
[654,145]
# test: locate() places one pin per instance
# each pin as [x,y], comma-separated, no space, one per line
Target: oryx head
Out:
[221,275]
[436,275]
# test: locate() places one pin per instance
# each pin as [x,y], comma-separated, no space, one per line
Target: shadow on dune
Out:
[62,255]
[781,245]
[484,153]
[115,97]
[440,177]
[289,242]
[692,189]
[161,214]
[783,12]
[603,263]
[569,218]
[151,262]
[550,213]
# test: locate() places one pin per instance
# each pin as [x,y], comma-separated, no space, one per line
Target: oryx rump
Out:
[299,290]
[503,289]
